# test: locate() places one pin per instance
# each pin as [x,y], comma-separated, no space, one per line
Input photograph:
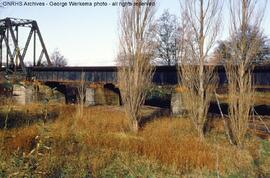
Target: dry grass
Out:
[262,98]
[22,138]
[100,141]
[170,141]
[259,98]
[172,144]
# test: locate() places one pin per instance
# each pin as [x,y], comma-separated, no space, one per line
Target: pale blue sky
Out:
[86,35]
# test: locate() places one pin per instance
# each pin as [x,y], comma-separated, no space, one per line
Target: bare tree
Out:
[58,60]
[225,48]
[200,26]
[244,13]
[81,95]
[137,48]
[167,31]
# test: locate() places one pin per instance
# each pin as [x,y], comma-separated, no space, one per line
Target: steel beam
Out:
[1,52]
[9,30]
[7,47]
[17,22]
[42,43]
[40,57]
[8,51]
[18,51]
[34,52]
[27,43]
[17,41]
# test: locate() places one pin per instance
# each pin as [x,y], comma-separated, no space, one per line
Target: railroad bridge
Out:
[104,79]
[100,81]
[163,75]
[64,79]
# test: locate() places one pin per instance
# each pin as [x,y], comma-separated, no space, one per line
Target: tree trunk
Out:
[201,69]
[135,126]
[200,131]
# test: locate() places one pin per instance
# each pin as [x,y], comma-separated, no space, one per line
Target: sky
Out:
[86,36]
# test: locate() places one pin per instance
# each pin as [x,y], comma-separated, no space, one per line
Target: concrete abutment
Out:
[95,94]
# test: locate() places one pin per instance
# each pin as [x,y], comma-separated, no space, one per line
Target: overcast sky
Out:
[85,35]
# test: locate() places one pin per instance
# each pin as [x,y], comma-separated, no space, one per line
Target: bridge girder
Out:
[9,38]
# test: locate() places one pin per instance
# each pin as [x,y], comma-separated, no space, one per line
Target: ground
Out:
[100,144]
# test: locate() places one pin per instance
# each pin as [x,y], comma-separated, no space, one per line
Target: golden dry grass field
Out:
[99,144]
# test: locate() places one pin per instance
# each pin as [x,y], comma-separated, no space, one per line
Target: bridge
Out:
[10,39]
[163,75]
[15,61]
[64,78]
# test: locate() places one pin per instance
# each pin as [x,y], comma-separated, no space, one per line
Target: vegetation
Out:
[57,59]
[225,48]
[137,49]
[167,32]
[244,13]
[100,145]
[54,140]
[201,25]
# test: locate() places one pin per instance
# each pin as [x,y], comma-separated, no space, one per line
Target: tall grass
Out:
[100,144]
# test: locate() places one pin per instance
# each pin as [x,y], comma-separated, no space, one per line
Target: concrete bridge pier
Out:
[90,96]
[177,107]
[94,94]
[23,95]
[106,94]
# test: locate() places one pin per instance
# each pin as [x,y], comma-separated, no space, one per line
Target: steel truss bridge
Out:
[10,39]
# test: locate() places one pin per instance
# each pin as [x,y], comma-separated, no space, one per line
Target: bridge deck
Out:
[164,75]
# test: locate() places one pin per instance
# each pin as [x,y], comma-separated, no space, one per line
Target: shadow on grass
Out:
[15,119]
[154,113]
[263,110]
